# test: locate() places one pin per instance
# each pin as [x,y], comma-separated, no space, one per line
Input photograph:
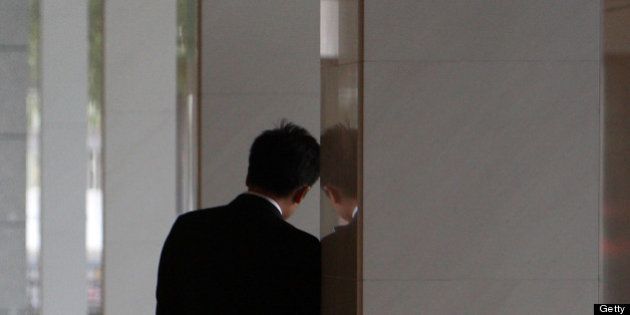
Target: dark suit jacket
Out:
[242,258]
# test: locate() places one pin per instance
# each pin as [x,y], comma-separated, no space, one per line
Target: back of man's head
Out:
[339,159]
[283,159]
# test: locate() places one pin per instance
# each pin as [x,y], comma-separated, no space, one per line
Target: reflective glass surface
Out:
[340,165]
[187,104]
[94,194]
[615,218]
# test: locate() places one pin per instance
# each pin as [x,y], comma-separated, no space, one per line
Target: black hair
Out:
[283,159]
[339,159]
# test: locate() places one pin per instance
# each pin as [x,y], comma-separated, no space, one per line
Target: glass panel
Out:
[187,104]
[340,159]
[615,249]
[94,197]
[33,182]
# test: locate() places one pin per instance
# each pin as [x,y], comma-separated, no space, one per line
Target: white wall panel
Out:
[260,63]
[139,149]
[482,30]
[64,52]
[481,157]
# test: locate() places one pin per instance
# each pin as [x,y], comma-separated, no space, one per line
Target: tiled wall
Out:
[259,64]
[481,148]
[14,27]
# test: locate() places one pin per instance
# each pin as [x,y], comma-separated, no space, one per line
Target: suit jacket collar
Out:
[273,202]
[351,225]
[255,203]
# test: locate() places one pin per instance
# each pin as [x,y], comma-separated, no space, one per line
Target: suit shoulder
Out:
[200,215]
[305,238]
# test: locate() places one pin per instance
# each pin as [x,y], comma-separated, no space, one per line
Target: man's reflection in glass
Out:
[339,249]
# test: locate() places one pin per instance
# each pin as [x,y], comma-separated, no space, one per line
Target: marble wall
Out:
[14,30]
[481,157]
[139,149]
[259,64]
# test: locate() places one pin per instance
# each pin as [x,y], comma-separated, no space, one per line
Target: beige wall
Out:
[482,157]
[259,64]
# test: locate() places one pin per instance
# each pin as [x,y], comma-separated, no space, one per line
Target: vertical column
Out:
[259,64]
[139,149]
[94,195]
[14,30]
[615,250]
[64,155]
[481,146]
[341,68]
[187,105]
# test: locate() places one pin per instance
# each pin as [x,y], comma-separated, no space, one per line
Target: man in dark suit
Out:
[339,249]
[243,258]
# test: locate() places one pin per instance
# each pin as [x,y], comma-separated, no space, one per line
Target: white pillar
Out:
[64,155]
[140,149]
[14,17]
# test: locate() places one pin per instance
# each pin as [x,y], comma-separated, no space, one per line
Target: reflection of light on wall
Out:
[329,29]
[94,223]
[33,232]
[33,165]
[348,98]
[33,237]
[187,146]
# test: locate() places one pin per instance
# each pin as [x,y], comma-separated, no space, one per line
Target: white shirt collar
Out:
[273,202]
[354,212]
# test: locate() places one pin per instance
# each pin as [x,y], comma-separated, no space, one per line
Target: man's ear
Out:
[333,194]
[300,193]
